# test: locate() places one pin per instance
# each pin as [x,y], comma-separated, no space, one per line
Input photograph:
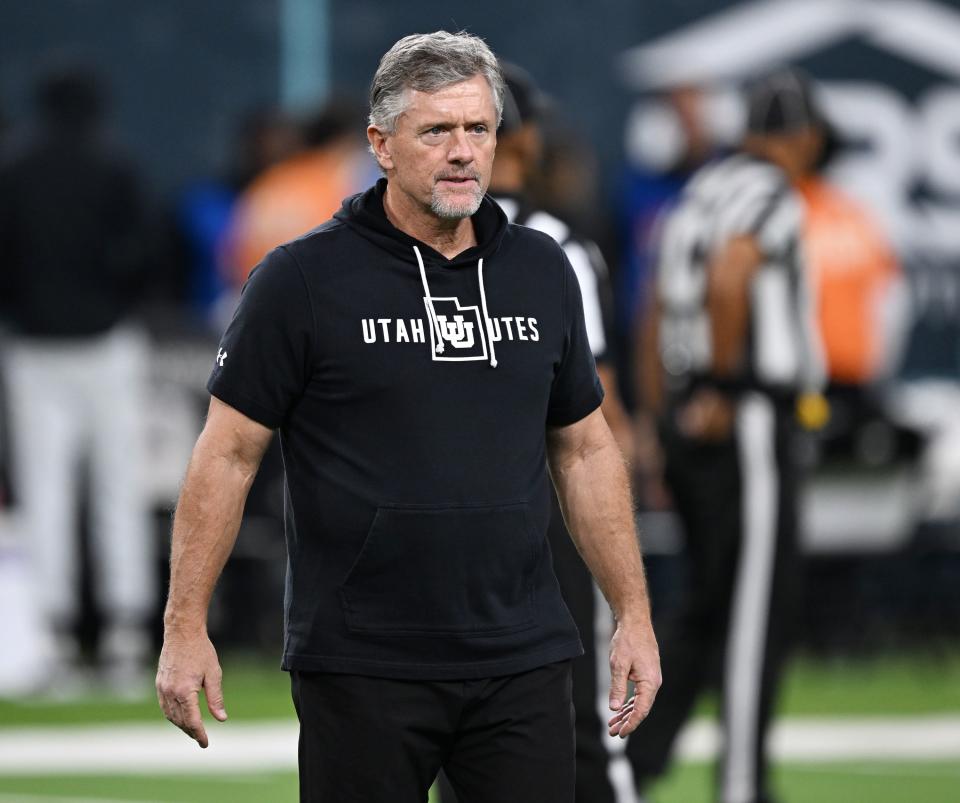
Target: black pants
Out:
[737,503]
[593,760]
[375,740]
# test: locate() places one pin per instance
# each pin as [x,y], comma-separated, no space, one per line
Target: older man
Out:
[423,361]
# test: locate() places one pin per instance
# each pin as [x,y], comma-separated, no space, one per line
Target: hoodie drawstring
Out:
[432,313]
[486,317]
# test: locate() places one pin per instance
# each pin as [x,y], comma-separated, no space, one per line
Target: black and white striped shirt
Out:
[738,195]
[587,262]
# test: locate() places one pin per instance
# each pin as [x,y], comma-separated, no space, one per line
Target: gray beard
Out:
[455,210]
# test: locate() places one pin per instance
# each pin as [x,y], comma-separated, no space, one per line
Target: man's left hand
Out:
[634,656]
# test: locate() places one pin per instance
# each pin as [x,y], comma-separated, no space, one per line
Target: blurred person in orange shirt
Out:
[857,281]
[299,193]
[862,316]
[203,209]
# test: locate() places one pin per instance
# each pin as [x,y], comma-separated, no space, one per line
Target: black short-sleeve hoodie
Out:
[412,394]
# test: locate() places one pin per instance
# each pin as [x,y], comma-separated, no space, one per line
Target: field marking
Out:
[831,740]
[141,749]
[147,749]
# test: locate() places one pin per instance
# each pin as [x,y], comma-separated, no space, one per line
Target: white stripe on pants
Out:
[746,645]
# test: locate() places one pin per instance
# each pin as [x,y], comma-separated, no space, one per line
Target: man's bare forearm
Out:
[205,529]
[221,471]
[591,482]
[594,493]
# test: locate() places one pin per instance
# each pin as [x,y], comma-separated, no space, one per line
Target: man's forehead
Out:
[473,91]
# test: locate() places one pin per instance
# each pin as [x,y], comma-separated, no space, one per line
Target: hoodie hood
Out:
[364,214]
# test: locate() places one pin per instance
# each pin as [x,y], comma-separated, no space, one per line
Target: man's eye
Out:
[479,129]
[435,131]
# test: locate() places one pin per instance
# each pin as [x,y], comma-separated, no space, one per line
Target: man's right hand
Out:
[188,664]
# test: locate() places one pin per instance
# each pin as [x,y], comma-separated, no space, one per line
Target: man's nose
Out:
[460,150]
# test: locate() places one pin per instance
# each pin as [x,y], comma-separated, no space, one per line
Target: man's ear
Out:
[380,147]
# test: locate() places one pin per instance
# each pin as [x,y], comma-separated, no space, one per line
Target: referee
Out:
[519,157]
[729,359]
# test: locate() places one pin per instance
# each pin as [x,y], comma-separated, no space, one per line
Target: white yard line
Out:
[921,738]
[270,746]
[147,748]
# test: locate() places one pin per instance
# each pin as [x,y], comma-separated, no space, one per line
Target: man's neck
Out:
[447,236]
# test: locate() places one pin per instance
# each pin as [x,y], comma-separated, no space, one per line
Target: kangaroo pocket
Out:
[443,570]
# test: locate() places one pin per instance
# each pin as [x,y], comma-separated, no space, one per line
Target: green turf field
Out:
[233,788]
[918,782]
[934,782]
[928,684]
[254,691]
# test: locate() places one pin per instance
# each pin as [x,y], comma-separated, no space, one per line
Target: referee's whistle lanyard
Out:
[435,324]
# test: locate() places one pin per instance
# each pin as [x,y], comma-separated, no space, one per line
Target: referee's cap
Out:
[523,102]
[782,102]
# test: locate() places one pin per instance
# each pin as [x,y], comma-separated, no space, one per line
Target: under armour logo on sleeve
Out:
[221,357]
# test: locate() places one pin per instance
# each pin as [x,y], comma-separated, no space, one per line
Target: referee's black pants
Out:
[377,740]
[737,503]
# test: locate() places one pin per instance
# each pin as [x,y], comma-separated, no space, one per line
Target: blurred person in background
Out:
[300,192]
[669,142]
[566,184]
[729,353]
[71,234]
[862,318]
[517,164]
[286,199]
[204,210]
[423,359]
[667,145]
[858,283]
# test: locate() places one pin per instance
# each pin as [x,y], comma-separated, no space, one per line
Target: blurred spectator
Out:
[670,146]
[284,200]
[730,350]
[672,142]
[301,192]
[857,281]
[204,208]
[860,298]
[71,226]
[518,164]
[566,183]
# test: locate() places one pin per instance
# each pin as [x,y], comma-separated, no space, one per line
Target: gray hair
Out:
[427,62]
